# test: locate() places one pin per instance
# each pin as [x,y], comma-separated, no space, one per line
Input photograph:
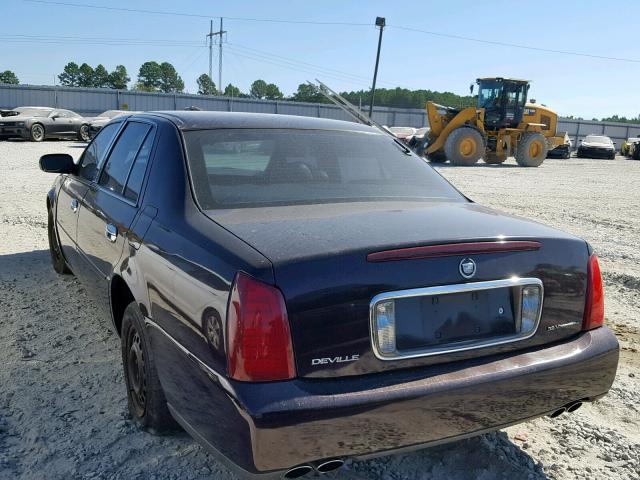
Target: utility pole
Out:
[220,60]
[380,22]
[210,36]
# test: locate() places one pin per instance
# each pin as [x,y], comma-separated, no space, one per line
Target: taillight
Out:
[258,338]
[594,305]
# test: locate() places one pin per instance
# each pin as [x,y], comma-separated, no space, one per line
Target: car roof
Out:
[190,120]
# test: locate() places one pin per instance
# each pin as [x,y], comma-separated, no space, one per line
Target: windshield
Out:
[597,139]
[259,167]
[33,112]
[489,93]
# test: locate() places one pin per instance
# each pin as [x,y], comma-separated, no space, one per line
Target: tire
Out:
[493,158]
[83,133]
[437,157]
[57,258]
[464,146]
[532,150]
[145,397]
[36,133]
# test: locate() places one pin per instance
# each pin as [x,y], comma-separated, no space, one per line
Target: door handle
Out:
[111,232]
[74,205]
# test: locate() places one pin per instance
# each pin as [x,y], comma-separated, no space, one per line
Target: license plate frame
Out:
[514,285]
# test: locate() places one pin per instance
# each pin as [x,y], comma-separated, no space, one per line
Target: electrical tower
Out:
[210,36]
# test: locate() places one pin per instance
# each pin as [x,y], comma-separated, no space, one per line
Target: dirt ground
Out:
[63,409]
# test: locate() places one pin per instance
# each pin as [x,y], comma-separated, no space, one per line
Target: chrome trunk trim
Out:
[447,289]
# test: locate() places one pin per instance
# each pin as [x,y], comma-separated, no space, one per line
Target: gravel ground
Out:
[63,409]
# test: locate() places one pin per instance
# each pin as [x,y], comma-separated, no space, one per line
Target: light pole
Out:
[380,22]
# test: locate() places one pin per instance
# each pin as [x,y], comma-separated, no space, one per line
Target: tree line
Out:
[156,76]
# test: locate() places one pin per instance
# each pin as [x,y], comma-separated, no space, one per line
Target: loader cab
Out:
[503,101]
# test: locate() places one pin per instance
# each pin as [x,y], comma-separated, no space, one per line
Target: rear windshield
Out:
[258,167]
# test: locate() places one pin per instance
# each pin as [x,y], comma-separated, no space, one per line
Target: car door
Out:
[110,205]
[73,190]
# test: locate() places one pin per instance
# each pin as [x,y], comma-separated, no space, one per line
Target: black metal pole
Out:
[380,22]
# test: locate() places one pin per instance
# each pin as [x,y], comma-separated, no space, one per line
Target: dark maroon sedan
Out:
[294,292]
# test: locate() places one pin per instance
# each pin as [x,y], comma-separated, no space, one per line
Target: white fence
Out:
[91,101]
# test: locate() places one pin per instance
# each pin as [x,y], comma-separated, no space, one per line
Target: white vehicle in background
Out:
[597,146]
[562,151]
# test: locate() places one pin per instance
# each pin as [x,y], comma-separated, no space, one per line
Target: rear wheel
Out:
[493,158]
[57,259]
[147,403]
[532,150]
[464,146]
[36,134]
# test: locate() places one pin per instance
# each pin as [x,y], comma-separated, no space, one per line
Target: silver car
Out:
[39,123]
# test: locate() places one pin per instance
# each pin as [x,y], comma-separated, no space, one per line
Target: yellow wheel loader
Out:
[502,124]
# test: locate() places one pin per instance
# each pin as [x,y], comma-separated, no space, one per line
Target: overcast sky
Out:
[343,55]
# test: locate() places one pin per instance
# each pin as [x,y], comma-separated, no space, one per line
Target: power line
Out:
[197,15]
[514,45]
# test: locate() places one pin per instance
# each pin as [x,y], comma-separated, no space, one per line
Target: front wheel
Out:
[464,146]
[146,400]
[532,150]
[57,259]
[36,133]
[83,134]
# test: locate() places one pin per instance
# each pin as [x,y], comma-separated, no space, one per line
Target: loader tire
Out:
[493,158]
[532,150]
[464,146]
[437,157]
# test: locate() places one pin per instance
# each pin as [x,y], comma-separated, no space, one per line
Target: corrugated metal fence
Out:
[91,101]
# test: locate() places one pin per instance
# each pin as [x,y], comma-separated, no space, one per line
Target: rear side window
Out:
[134,183]
[116,171]
[94,155]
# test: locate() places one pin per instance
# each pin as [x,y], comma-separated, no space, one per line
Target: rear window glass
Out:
[258,167]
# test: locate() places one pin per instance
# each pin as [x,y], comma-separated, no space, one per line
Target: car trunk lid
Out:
[326,261]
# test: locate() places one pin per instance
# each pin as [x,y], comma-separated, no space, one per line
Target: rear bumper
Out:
[304,421]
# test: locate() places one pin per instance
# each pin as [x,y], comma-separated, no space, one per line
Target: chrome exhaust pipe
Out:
[330,465]
[299,471]
[573,406]
[558,412]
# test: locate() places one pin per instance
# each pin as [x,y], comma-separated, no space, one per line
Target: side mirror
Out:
[57,163]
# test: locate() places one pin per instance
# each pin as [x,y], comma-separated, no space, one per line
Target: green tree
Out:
[85,75]
[170,81]
[273,92]
[233,91]
[308,93]
[8,77]
[70,75]
[206,85]
[118,79]
[149,77]
[100,77]
[258,89]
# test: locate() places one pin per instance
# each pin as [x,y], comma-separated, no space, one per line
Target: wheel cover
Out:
[136,372]
[535,149]
[213,332]
[37,131]
[84,132]
[467,147]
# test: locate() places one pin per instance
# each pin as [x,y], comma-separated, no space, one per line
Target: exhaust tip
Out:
[558,412]
[574,406]
[330,465]
[299,471]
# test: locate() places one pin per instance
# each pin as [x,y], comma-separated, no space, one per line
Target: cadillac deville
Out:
[294,292]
